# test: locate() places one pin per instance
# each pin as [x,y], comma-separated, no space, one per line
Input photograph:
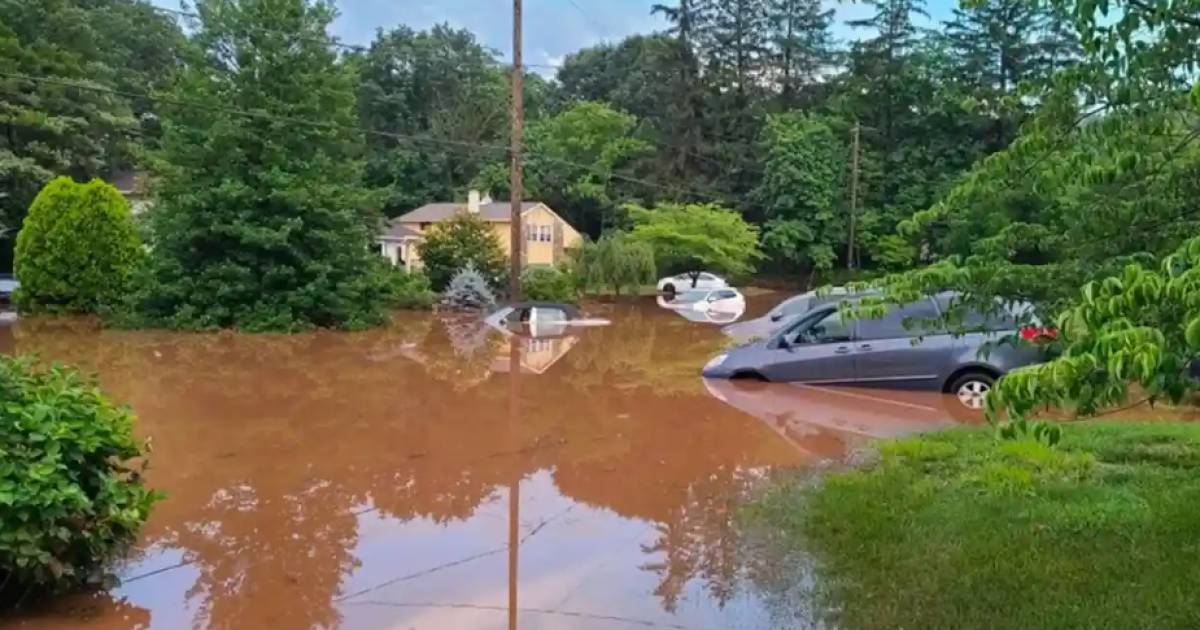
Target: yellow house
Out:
[547,237]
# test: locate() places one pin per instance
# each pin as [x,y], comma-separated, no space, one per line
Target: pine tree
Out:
[1001,44]
[801,46]
[261,222]
[885,60]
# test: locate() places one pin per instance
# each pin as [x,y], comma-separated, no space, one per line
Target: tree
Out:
[616,261]
[262,220]
[77,248]
[1001,45]
[802,191]
[60,114]
[468,290]
[650,78]
[695,238]
[452,245]
[446,90]
[801,47]
[577,160]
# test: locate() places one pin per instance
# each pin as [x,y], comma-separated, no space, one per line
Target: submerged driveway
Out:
[438,475]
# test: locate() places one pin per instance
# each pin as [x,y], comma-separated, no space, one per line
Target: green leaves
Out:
[450,246]
[1192,334]
[77,249]
[70,503]
[696,237]
[262,225]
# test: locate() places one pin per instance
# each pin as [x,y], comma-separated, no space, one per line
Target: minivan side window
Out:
[891,325]
[829,328]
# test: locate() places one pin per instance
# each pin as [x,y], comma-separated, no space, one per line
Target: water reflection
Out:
[379,479]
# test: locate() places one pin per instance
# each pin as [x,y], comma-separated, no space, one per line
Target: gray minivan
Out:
[825,347]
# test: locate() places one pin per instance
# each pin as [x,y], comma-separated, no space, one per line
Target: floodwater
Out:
[438,474]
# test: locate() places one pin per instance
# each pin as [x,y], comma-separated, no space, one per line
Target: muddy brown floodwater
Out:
[438,475]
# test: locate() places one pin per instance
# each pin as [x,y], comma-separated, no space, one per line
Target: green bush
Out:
[549,284]
[410,290]
[448,248]
[77,248]
[69,498]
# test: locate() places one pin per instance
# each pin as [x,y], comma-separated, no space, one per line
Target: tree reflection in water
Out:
[274,449]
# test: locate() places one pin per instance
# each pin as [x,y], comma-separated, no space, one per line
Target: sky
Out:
[553,28]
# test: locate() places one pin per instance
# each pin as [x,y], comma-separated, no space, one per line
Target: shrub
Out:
[548,284]
[448,248]
[77,248]
[69,499]
[468,291]
[410,290]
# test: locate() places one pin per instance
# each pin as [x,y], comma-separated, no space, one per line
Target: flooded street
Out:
[442,475]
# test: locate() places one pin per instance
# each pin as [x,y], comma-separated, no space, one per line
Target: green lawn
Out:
[956,530]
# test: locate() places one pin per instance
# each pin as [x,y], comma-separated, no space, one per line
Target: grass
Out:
[957,530]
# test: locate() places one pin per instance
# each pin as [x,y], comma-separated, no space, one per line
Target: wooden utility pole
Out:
[850,253]
[518,131]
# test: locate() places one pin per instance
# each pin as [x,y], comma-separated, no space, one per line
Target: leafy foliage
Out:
[802,191]
[442,85]
[72,499]
[550,284]
[615,261]
[450,246]
[261,222]
[52,130]
[1140,327]
[468,290]
[688,238]
[77,248]
[603,143]
[409,289]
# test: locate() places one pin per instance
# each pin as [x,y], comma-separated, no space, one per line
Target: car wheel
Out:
[971,389]
[669,289]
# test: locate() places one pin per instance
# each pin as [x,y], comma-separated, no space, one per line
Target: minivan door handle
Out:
[843,350]
[865,346]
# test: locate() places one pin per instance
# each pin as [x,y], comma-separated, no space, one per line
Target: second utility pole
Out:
[853,198]
[518,130]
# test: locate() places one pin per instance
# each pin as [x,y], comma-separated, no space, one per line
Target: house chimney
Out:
[473,202]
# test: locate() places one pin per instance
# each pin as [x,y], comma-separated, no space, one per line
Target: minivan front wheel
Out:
[972,389]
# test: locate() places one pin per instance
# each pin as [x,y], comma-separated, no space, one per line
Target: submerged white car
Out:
[684,282]
[725,300]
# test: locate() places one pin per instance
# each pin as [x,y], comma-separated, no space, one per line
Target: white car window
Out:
[707,277]
[549,315]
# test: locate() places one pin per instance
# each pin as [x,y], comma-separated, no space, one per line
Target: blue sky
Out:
[553,28]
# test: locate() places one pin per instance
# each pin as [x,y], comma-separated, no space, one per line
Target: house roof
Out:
[435,212]
[396,231]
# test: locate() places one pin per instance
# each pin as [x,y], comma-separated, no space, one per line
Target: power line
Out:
[262,115]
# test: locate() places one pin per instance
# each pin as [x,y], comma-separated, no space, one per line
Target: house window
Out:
[545,235]
[531,232]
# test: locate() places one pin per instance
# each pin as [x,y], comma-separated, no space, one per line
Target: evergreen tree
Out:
[49,127]
[261,222]
[801,47]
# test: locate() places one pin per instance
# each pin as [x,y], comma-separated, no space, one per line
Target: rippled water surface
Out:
[440,474]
